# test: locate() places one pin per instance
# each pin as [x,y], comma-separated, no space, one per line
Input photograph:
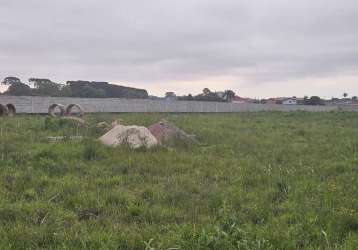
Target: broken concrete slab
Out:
[132,136]
[164,131]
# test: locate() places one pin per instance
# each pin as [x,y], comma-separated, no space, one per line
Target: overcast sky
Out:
[258,48]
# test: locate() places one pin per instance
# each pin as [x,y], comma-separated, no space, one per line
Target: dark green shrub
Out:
[92,151]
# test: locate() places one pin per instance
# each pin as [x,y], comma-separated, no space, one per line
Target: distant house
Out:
[290,101]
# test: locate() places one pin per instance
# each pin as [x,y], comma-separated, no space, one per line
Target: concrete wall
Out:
[38,105]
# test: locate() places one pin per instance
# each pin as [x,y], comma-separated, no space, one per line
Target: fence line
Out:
[40,105]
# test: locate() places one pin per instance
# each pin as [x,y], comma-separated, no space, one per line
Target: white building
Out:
[289,101]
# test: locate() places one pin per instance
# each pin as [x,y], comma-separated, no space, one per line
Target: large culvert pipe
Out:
[11,109]
[3,110]
[52,110]
[78,110]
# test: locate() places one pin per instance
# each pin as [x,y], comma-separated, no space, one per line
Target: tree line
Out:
[86,89]
[206,95]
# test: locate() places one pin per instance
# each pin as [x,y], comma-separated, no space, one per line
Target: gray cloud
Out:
[256,41]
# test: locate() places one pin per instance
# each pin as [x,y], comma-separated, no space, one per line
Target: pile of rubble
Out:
[158,133]
[166,132]
[132,136]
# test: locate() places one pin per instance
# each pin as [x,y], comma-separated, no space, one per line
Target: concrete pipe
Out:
[56,107]
[3,110]
[11,109]
[78,110]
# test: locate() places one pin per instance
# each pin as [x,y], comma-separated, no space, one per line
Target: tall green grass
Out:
[254,181]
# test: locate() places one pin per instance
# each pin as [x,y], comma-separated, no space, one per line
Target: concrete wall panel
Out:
[40,105]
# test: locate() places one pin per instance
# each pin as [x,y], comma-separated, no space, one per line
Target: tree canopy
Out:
[10,80]
[170,94]
[209,96]
[229,95]
[18,89]
[46,87]
[314,100]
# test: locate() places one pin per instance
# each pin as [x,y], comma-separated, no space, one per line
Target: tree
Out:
[206,91]
[229,95]
[354,98]
[186,98]
[314,100]
[38,82]
[345,95]
[77,89]
[66,91]
[18,89]
[45,87]
[89,91]
[208,97]
[10,80]
[170,94]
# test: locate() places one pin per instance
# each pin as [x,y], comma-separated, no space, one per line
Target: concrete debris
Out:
[7,110]
[53,107]
[62,138]
[164,132]
[75,109]
[104,126]
[3,110]
[60,110]
[76,120]
[11,109]
[116,122]
[132,136]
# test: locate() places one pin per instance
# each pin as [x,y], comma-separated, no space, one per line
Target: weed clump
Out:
[92,151]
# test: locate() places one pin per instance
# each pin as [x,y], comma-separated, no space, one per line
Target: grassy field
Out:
[255,181]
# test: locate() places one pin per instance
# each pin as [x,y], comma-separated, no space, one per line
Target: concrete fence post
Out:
[32,105]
